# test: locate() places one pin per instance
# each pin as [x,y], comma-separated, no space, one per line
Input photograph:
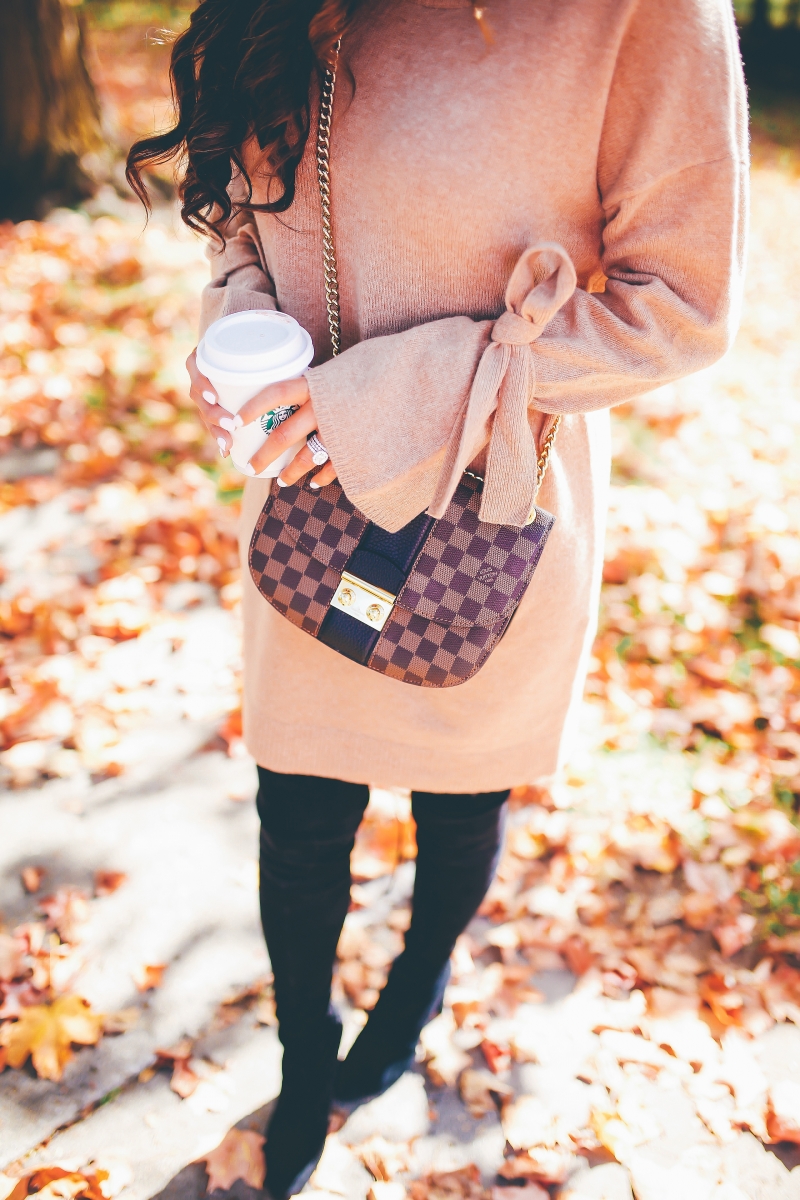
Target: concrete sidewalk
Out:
[183,828]
[190,900]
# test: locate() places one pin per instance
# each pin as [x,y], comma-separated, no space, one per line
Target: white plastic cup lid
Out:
[257,341]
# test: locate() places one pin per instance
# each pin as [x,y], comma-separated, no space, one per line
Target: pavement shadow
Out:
[190,1183]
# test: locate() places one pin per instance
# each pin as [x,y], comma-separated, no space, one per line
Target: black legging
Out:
[308,826]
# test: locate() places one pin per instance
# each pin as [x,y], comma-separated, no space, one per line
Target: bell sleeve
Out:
[403,414]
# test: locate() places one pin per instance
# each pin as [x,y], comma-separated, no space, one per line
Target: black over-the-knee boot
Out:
[458,840]
[308,826]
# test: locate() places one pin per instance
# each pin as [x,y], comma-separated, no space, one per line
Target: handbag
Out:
[426,605]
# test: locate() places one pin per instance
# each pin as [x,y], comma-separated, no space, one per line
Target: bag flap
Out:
[322,523]
[469,573]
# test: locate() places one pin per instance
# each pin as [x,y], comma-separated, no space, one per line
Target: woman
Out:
[557,188]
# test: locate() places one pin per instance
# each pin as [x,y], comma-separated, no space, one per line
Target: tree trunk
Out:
[49,113]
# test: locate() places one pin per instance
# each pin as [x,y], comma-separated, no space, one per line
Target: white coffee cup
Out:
[240,355]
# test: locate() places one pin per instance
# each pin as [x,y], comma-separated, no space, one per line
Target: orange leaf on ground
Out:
[463,1184]
[46,1032]
[56,1183]
[547,1164]
[11,953]
[699,909]
[725,1003]
[106,882]
[32,878]
[239,1155]
[577,954]
[481,1092]
[783,1117]
[65,910]
[382,844]
[732,936]
[498,1058]
[184,1081]
[231,732]
[149,976]
[181,1049]
[232,726]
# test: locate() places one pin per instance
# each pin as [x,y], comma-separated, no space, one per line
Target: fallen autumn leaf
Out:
[238,1156]
[46,1033]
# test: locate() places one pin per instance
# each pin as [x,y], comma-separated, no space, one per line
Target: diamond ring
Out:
[319,455]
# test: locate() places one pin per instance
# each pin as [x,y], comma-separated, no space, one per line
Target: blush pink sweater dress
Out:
[551,224]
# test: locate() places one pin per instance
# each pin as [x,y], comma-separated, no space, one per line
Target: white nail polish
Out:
[249,469]
[238,423]
[282,483]
[315,486]
[227,423]
[223,445]
[210,397]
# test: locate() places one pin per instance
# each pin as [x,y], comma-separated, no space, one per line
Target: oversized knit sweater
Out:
[551,224]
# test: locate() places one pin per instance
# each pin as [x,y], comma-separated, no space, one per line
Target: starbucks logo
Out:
[276,417]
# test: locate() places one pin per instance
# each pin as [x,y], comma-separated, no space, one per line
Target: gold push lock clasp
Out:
[367,603]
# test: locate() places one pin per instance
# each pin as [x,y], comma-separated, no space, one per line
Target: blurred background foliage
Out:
[57,142]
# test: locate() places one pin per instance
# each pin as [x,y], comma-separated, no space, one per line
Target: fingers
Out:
[326,475]
[223,439]
[300,465]
[221,423]
[296,429]
[202,390]
[276,395]
[210,411]
[195,378]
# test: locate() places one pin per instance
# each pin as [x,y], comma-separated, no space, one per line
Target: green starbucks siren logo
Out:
[276,417]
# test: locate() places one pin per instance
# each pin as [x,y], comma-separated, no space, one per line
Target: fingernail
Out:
[210,397]
[315,486]
[238,423]
[223,445]
[249,469]
[227,423]
[282,482]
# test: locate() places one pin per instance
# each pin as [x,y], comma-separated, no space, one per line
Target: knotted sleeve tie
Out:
[541,282]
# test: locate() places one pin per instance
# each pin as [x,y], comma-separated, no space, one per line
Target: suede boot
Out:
[458,841]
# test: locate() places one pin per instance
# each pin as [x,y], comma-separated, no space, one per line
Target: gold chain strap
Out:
[544,454]
[329,250]
[324,177]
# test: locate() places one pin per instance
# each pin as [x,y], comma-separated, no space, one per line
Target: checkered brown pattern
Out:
[299,548]
[461,594]
[469,573]
[457,601]
[415,650]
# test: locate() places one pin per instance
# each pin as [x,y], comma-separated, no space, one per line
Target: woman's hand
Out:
[221,424]
[291,392]
[203,393]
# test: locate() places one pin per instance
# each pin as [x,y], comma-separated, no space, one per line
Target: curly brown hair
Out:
[241,71]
